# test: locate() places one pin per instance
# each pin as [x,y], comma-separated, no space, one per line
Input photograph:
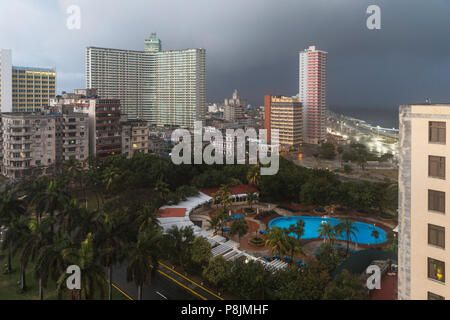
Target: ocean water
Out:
[384,117]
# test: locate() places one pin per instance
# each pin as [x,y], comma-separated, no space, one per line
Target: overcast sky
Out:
[252,45]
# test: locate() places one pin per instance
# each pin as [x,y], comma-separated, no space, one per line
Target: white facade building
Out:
[423,257]
[165,88]
[6,80]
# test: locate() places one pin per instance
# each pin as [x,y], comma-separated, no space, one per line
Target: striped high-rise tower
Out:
[313,93]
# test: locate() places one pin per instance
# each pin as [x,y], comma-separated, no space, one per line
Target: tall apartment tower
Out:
[104,119]
[165,88]
[24,89]
[313,93]
[284,114]
[235,107]
[424,187]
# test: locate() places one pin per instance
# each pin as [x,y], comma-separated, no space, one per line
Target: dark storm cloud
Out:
[253,45]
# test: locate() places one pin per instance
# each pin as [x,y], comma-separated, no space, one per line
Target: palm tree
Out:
[110,241]
[162,191]
[50,263]
[11,207]
[223,196]
[179,242]
[33,237]
[147,217]
[111,176]
[298,229]
[293,246]
[70,216]
[94,179]
[222,215]
[327,231]
[16,234]
[51,200]
[253,176]
[93,275]
[88,221]
[215,223]
[276,240]
[239,228]
[143,258]
[73,170]
[349,228]
[251,198]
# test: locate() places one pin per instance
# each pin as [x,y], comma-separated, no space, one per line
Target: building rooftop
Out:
[172,213]
[34,69]
[146,52]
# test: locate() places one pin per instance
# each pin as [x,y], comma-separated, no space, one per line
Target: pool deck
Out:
[372,221]
[388,289]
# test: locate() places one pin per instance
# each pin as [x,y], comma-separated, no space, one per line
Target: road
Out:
[167,285]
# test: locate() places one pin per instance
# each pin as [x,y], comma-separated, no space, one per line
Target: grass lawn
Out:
[9,287]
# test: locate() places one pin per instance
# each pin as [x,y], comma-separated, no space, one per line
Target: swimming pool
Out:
[363,235]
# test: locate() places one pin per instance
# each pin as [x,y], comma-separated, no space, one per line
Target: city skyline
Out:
[364,66]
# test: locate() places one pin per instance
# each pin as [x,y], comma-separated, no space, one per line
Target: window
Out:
[433,296]
[436,132]
[436,270]
[436,167]
[436,235]
[436,201]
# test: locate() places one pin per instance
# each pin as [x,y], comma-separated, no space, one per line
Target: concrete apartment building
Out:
[135,136]
[104,119]
[35,141]
[284,114]
[24,89]
[424,185]
[235,107]
[313,93]
[165,88]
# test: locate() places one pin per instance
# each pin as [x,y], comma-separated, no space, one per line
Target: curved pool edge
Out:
[383,228]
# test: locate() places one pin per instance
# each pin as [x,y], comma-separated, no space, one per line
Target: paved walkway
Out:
[388,289]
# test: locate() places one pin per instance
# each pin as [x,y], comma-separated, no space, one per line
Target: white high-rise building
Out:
[313,93]
[5,80]
[165,88]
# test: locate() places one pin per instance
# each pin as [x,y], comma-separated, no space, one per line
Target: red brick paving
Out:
[388,289]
